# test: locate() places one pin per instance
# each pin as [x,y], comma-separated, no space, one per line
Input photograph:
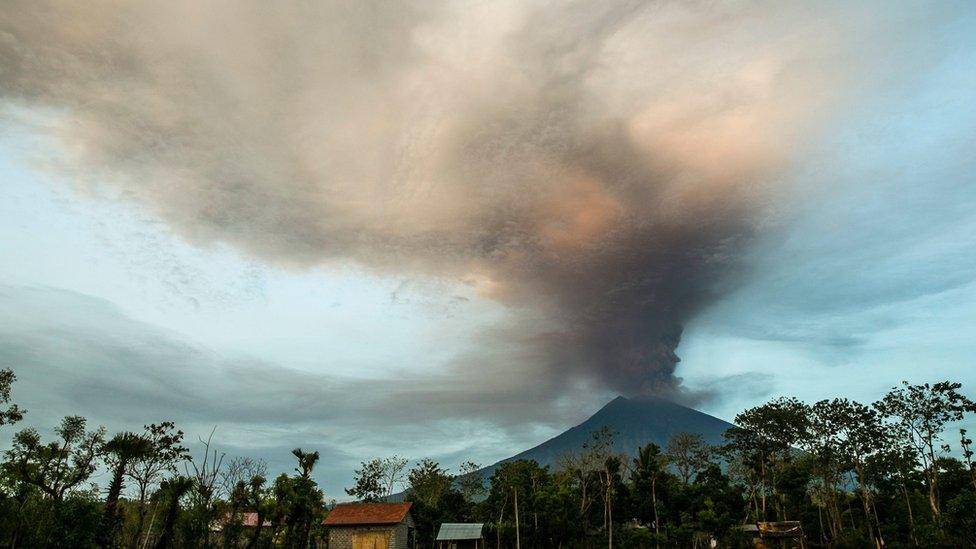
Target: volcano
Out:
[635,422]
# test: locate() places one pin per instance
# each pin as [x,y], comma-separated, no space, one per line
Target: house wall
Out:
[400,536]
[403,533]
[340,537]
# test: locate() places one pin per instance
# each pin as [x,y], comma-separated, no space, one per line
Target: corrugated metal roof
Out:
[349,514]
[783,529]
[455,531]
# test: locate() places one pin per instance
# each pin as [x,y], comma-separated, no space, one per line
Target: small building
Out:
[370,526]
[250,520]
[453,535]
[776,534]
[245,520]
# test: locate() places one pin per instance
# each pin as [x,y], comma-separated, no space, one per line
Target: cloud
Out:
[598,167]
[886,243]
[91,353]
[75,354]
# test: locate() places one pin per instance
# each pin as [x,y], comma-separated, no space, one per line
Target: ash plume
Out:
[598,167]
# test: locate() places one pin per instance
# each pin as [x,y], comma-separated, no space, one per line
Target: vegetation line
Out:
[835,473]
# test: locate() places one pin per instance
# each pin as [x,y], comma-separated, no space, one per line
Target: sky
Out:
[454,229]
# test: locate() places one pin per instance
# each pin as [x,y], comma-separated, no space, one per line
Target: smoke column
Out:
[598,167]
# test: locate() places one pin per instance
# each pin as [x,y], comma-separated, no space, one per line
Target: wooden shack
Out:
[454,535]
[370,526]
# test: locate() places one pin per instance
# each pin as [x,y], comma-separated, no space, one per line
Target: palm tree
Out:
[122,450]
[173,489]
[254,497]
[306,495]
[306,461]
[647,471]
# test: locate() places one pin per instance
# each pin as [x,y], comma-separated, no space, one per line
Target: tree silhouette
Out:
[13,413]
[120,451]
[57,466]
[172,491]
[921,413]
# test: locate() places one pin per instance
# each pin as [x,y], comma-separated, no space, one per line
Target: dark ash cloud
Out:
[598,167]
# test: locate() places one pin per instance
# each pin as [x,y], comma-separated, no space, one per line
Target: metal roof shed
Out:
[453,535]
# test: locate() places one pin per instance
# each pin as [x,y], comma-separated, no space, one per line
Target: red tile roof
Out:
[349,514]
[251,519]
[247,519]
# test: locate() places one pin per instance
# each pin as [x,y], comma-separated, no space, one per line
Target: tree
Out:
[966,444]
[688,454]
[610,478]
[240,469]
[304,499]
[715,502]
[59,466]
[765,438]
[368,482]
[897,466]
[242,480]
[206,472]
[147,470]
[822,443]
[393,473]
[120,451]
[517,489]
[921,413]
[646,473]
[470,481]
[589,466]
[306,461]
[861,435]
[578,473]
[281,491]
[13,413]
[252,496]
[431,489]
[377,478]
[599,457]
[428,482]
[171,492]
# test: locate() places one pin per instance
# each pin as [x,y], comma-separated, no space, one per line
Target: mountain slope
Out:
[635,421]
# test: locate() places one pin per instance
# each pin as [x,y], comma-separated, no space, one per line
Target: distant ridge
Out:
[635,421]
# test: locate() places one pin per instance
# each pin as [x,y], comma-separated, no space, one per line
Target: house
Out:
[370,526]
[453,535]
[250,520]
[247,520]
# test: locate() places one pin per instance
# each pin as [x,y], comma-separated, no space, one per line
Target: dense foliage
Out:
[891,473]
